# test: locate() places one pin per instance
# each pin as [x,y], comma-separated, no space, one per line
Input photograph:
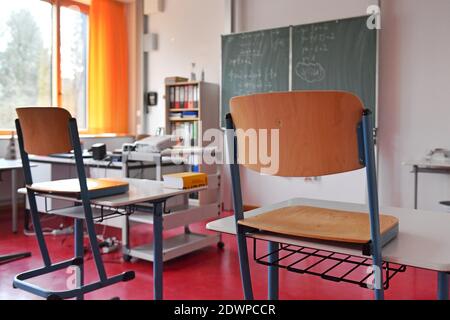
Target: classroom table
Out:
[140,191]
[426,166]
[12,166]
[423,240]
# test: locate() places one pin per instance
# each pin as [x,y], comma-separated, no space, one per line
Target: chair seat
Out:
[320,224]
[71,187]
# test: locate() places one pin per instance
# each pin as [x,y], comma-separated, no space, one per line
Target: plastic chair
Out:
[46,131]
[320,133]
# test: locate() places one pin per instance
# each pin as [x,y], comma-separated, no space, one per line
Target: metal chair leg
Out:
[374,214]
[273,271]
[443,285]
[244,266]
[157,251]
[79,253]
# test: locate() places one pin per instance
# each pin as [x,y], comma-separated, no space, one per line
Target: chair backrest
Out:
[318,130]
[45,130]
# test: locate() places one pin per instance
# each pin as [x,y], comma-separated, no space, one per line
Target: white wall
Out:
[414,97]
[414,77]
[266,14]
[188,31]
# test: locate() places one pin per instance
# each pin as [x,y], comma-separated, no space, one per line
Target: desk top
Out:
[91,162]
[423,240]
[10,164]
[427,163]
[140,190]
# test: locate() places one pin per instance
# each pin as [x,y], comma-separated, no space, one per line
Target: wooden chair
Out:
[320,133]
[46,131]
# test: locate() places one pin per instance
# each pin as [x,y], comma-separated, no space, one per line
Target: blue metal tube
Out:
[373,203]
[442,285]
[273,271]
[157,251]
[32,198]
[86,199]
[238,211]
[79,253]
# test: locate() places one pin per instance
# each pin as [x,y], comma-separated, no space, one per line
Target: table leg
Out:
[14,200]
[157,251]
[442,286]
[273,271]
[79,253]
[416,185]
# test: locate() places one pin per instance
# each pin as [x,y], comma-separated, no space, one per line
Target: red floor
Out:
[207,274]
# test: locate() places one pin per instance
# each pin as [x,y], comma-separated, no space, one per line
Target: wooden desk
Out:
[140,191]
[423,240]
[424,166]
[55,168]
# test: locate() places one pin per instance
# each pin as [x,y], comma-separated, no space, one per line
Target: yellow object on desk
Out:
[185,180]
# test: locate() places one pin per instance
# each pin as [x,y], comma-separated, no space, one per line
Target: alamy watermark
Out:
[250,147]
[374,20]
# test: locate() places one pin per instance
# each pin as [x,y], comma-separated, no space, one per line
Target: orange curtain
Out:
[108,67]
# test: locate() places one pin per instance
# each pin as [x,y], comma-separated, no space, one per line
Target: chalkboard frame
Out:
[291,71]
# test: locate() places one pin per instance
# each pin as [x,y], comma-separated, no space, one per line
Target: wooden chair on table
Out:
[320,133]
[46,131]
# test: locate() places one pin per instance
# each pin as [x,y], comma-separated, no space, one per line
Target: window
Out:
[25,57]
[74,40]
[28,53]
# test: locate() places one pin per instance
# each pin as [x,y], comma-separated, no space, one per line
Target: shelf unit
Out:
[182,212]
[198,98]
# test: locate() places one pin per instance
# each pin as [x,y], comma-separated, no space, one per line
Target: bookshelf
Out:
[191,108]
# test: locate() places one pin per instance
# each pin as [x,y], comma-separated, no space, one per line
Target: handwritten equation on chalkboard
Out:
[253,62]
[313,40]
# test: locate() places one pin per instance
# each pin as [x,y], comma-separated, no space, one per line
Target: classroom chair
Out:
[46,131]
[320,133]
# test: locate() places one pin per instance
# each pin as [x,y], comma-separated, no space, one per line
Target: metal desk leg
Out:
[273,275]
[79,253]
[14,200]
[442,286]
[416,184]
[157,251]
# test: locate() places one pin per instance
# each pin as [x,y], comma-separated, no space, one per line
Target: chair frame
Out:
[367,159]
[20,281]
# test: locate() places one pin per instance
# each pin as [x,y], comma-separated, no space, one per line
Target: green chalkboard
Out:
[333,55]
[254,62]
[336,55]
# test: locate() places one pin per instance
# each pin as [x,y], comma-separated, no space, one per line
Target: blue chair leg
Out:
[273,272]
[79,253]
[369,155]
[442,286]
[157,251]
[244,265]
[238,210]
